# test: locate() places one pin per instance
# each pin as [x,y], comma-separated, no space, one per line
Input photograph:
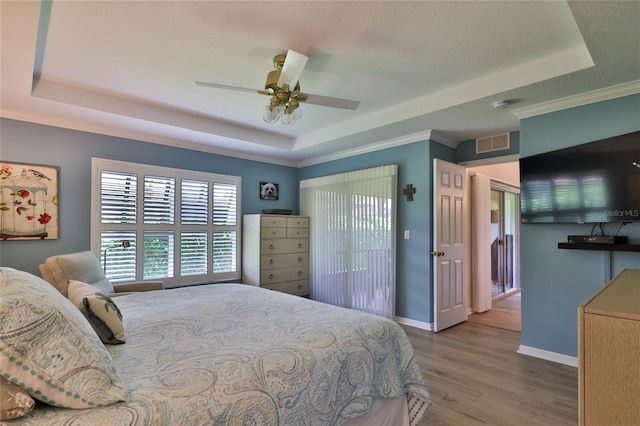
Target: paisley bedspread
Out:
[233,354]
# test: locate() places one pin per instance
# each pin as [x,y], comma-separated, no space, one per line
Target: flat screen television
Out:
[595,182]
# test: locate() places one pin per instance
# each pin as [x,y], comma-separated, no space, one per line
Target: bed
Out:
[223,354]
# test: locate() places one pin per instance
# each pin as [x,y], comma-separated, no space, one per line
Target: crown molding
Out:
[608,93]
[141,137]
[402,140]
[435,136]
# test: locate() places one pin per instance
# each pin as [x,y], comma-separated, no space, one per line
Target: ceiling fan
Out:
[283,86]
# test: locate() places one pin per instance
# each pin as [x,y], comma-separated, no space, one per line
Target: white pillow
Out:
[102,313]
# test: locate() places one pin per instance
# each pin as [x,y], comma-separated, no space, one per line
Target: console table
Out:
[609,353]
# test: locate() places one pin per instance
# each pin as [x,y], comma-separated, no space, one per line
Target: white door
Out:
[449,244]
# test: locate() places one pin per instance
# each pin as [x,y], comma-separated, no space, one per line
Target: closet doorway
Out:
[505,220]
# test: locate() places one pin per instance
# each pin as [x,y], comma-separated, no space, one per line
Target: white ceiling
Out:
[418,68]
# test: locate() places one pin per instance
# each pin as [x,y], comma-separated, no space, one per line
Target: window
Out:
[158,223]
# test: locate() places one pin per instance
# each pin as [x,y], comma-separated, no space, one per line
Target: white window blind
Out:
[159,199]
[194,208]
[353,234]
[118,194]
[181,226]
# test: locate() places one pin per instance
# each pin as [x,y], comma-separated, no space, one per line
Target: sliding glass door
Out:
[504,240]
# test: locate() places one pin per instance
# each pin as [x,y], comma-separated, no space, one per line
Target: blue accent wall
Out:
[72,151]
[555,281]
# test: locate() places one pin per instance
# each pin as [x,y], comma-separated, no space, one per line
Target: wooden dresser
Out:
[609,353]
[275,252]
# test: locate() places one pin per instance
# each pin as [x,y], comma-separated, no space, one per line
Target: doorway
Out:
[504,241]
[495,239]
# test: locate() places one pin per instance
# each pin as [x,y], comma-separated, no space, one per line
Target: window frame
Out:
[100,165]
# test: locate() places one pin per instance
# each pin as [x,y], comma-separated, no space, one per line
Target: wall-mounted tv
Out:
[594,182]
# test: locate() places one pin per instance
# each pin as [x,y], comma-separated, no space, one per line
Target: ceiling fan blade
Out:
[292,69]
[302,97]
[223,86]
[328,101]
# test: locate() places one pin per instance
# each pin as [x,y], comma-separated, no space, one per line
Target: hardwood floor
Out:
[475,377]
[504,313]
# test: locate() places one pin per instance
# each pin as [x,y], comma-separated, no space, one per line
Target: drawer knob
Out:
[299,273]
[299,286]
[300,245]
[299,260]
[270,246]
[271,261]
[270,276]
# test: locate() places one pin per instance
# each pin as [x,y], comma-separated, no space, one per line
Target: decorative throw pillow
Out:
[14,402]
[49,349]
[102,313]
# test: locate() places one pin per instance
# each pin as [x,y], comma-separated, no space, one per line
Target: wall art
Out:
[28,201]
[269,191]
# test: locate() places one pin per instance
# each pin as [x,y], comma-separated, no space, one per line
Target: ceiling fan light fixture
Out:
[273,110]
[270,114]
[292,112]
[283,87]
[288,119]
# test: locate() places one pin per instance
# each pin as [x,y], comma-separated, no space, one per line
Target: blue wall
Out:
[72,151]
[414,280]
[555,281]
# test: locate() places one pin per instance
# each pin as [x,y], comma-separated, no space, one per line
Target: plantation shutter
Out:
[179,226]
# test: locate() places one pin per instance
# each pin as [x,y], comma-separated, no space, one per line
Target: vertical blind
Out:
[353,235]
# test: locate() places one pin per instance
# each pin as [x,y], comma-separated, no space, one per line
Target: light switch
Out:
[407,234]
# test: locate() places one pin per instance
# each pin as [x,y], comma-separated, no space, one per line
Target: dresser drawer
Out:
[271,276]
[295,245]
[297,222]
[284,260]
[300,287]
[273,221]
[297,232]
[273,232]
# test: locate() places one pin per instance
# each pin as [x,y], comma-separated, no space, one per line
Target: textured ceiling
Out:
[418,68]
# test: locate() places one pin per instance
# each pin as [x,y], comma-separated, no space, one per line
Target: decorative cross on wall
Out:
[409,190]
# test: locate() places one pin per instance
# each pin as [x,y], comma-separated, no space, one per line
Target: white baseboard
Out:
[548,355]
[413,323]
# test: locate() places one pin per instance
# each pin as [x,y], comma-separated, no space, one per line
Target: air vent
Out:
[493,143]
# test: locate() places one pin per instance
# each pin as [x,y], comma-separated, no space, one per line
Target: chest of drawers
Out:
[275,252]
